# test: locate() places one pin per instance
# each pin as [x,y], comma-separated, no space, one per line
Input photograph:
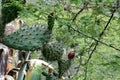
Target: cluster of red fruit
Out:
[71,55]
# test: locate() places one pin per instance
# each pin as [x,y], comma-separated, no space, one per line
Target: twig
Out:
[86,70]
[85,49]
[84,6]
[104,43]
[107,24]
[77,14]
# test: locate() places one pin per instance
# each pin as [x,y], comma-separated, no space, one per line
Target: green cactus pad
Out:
[49,76]
[52,51]
[63,66]
[51,20]
[27,38]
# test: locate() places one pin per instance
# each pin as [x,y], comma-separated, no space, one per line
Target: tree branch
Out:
[84,7]
[104,43]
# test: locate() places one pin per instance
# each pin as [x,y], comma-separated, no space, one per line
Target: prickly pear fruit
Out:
[71,55]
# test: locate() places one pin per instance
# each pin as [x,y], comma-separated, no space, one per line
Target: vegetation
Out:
[88,28]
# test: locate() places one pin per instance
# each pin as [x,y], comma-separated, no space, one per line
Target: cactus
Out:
[52,51]
[51,20]
[27,38]
[63,66]
[49,76]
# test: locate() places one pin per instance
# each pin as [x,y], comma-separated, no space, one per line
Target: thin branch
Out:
[104,43]
[107,24]
[86,70]
[84,7]
[85,49]
[78,13]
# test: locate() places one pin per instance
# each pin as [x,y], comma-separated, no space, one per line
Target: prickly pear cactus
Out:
[51,20]
[27,38]
[49,76]
[63,66]
[52,51]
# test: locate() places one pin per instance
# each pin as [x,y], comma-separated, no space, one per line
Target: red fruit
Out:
[71,54]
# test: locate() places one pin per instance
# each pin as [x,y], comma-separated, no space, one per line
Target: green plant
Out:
[52,51]
[27,38]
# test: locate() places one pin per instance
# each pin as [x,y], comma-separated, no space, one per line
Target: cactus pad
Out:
[63,66]
[52,51]
[51,20]
[27,38]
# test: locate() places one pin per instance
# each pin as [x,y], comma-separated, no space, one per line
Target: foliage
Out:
[90,27]
[12,7]
[10,10]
